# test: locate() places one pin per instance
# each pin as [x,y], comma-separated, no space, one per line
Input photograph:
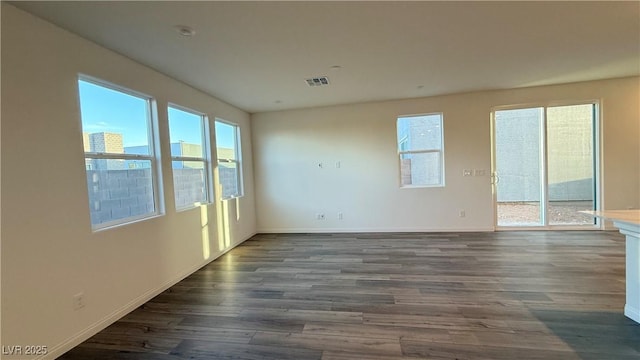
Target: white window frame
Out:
[237,161]
[440,151]
[151,157]
[205,159]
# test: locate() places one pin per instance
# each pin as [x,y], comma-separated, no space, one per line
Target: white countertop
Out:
[628,216]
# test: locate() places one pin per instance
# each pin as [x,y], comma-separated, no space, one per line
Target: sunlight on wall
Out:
[219,222]
[225,215]
[224,238]
[204,222]
[222,215]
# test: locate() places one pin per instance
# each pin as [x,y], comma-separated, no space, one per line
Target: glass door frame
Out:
[543,164]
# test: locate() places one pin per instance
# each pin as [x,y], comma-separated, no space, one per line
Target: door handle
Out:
[495,179]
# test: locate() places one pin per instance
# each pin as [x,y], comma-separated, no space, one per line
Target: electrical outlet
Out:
[467,172]
[340,216]
[320,217]
[78,301]
[462,213]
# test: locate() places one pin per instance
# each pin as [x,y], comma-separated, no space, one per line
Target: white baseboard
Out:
[85,334]
[78,338]
[365,230]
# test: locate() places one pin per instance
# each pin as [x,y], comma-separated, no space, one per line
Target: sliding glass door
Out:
[518,166]
[544,165]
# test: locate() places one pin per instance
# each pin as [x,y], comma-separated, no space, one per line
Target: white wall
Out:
[49,252]
[291,189]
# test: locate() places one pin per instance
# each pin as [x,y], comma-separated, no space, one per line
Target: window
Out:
[420,148]
[119,154]
[190,163]
[229,167]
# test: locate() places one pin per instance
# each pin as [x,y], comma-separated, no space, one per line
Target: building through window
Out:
[188,133]
[229,159]
[120,162]
[420,148]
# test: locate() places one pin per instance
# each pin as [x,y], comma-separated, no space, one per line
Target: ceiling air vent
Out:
[318,81]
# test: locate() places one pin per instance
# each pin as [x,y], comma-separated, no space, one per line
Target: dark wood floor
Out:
[505,295]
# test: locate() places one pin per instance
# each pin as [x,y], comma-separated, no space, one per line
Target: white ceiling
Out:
[257,55]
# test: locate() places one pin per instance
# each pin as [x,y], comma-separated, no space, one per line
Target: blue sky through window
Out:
[185,126]
[225,135]
[107,110]
[112,111]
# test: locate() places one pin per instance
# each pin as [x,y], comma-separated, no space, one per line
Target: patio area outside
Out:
[560,213]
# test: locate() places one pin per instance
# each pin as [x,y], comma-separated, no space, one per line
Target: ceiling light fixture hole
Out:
[184,30]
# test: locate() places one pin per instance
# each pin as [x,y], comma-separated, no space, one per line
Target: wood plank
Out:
[207,350]
[390,347]
[507,295]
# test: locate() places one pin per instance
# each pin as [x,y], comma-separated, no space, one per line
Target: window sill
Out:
[421,186]
[231,198]
[128,221]
[191,207]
